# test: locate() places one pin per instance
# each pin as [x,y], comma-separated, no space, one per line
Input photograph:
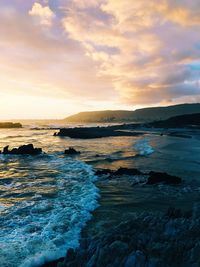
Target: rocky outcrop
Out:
[147,239]
[120,171]
[23,150]
[162,177]
[72,151]
[95,132]
[152,177]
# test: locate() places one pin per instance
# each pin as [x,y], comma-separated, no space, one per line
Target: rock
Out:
[23,150]
[72,151]
[5,150]
[136,259]
[95,132]
[126,171]
[174,213]
[120,171]
[162,177]
[70,255]
[118,247]
[104,172]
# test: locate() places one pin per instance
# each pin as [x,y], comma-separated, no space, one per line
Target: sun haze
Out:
[65,56]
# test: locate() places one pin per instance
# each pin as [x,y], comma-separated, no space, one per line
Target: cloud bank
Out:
[101,53]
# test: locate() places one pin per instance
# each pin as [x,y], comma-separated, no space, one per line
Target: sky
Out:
[60,57]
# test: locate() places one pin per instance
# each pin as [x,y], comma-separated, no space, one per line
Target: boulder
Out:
[118,172]
[5,150]
[104,172]
[126,171]
[162,177]
[72,151]
[23,150]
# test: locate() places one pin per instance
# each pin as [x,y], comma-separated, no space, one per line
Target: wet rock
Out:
[162,177]
[118,172]
[104,172]
[72,151]
[173,213]
[136,259]
[118,247]
[23,150]
[127,171]
[95,132]
[5,150]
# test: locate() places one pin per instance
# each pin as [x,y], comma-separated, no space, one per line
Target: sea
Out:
[46,200]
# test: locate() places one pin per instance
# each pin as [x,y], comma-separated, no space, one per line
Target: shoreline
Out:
[125,202]
[122,224]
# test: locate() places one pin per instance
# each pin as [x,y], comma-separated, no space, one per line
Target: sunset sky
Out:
[59,57]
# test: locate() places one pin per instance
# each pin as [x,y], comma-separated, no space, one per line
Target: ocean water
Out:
[46,200]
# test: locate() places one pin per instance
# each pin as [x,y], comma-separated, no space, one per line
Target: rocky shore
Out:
[99,132]
[144,240]
[127,232]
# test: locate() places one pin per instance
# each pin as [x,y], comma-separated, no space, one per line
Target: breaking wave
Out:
[143,147]
[45,202]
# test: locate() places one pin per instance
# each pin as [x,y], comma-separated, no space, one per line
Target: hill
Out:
[139,115]
[10,125]
[190,120]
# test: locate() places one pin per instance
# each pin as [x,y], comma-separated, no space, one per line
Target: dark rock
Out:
[104,172]
[71,151]
[118,247]
[162,177]
[126,171]
[70,255]
[120,171]
[53,263]
[5,150]
[23,150]
[95,132]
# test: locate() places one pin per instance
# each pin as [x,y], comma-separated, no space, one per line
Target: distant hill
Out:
[189,120]
[10,125]
[139,115]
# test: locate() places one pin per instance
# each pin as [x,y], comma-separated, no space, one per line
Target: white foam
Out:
[143,147]
[43,228]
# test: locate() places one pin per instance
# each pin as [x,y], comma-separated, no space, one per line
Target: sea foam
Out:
[49,211]
[143,147]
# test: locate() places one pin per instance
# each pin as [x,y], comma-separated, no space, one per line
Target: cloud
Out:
[44,14]
[154,45]
[34,61]
[110,53]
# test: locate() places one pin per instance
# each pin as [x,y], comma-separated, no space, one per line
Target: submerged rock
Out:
[153,177]
[72,151]
[23,150]
[118,172]
[162,177]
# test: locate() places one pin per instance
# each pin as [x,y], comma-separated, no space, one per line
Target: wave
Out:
[143,147]
[42,225]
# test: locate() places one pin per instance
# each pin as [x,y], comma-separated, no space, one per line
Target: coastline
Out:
[143,225]
[129,211]
[125,230]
